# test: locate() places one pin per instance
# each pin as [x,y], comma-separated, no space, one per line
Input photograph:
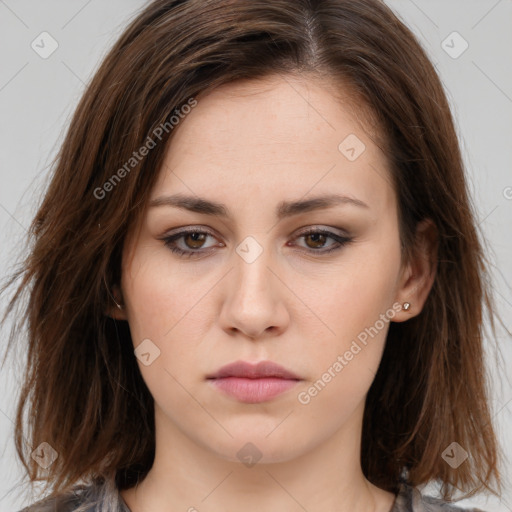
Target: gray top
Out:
[105,498]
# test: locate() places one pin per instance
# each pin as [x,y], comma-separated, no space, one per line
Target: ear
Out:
[116,311]
[418,274]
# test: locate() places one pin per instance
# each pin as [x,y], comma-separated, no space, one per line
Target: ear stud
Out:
[119,306]
[406,305]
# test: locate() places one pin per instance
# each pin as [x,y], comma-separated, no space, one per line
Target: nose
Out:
[254,302]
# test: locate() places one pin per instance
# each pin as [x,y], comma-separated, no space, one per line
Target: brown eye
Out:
[189,243]
[194,240]
[321,241]
[317,240]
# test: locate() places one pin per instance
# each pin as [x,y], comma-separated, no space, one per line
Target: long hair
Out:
[83,390]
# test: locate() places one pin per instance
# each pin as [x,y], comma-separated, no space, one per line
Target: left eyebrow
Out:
[284,208]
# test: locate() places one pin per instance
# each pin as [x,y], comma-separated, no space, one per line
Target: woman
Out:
[256,280]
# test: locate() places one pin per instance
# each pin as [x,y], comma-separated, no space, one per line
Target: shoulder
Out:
[410,499]
[81,498]
[67,502]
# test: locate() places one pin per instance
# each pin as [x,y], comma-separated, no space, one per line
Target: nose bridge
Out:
[252,260]
[253,304]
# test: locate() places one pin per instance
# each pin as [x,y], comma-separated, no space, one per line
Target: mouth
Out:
[250,383]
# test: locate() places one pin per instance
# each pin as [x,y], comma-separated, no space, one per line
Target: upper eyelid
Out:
[299,232]
[179,233]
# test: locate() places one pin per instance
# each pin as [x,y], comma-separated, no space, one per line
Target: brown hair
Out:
[85,394]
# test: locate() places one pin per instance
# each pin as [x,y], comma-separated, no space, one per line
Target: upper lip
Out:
[253,371]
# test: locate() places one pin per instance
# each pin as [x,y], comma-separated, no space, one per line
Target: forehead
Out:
[282,135]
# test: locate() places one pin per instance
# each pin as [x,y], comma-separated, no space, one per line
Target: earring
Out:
[113,298]
[406,305]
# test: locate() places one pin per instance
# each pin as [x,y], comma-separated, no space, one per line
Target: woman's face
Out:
[252,284]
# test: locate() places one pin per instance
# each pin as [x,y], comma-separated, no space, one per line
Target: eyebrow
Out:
[284,208]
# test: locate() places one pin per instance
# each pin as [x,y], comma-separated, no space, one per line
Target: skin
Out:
[251,145]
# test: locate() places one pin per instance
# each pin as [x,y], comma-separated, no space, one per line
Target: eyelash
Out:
[169,241]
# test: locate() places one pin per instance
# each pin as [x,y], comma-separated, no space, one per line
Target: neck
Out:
[187,476]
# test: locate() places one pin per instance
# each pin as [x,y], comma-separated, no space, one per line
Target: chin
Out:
[253,447]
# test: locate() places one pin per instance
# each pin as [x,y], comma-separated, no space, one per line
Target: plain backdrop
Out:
[469,41]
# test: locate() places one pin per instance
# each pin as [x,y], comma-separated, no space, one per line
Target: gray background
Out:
[38,95]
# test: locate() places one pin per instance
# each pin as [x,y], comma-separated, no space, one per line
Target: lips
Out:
[257,371]
[250,383]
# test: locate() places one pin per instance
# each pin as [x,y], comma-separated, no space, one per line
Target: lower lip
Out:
[253,391]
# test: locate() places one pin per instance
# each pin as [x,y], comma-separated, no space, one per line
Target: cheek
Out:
[163,307]
[344,364]
[168,304]
[159,295]
[357,291]
[355,305]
